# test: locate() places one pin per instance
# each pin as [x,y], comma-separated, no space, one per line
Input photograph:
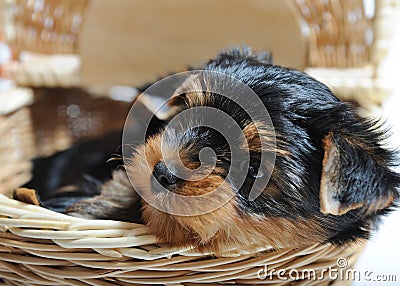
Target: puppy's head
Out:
[319,171]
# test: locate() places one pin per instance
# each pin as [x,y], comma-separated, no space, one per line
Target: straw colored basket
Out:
[341,34]
[45,70]
[40,247]
[46,26]
[16,138]
[50,30]
[348,46]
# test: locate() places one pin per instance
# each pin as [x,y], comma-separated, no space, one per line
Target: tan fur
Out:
[380,203]
[225,228]
[330,186]
[196,91]
[25,195]
[256,130]
[219,229]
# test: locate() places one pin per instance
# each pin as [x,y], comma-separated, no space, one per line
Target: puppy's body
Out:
[331,180]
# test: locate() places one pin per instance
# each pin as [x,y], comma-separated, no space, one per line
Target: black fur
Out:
[304,111]
[77,173]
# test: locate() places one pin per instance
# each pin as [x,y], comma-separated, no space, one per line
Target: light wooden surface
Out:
[130,41]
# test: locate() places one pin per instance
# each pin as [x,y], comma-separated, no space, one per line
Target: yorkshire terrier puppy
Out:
[331,181]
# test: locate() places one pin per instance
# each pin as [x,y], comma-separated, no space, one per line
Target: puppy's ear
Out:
[356,173]
[156,110]
[157,105]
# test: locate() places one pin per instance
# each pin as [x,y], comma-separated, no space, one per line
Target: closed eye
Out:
[252,169]
[256,172]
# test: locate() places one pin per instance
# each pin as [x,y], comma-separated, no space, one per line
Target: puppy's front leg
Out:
[117,201]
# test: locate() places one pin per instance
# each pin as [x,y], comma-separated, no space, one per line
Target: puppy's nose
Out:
[164,175]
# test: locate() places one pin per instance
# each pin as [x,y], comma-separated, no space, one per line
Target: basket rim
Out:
[108,237]
[39,246]
[31,221]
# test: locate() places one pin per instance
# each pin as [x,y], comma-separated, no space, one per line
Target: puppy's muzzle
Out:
[165,177]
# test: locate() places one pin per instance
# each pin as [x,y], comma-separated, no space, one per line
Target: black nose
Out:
[164,175]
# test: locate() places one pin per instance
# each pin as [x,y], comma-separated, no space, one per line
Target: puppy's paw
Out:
[25,195]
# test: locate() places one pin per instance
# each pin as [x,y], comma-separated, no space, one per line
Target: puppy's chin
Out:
[225,229]
[203,231]
[196,214]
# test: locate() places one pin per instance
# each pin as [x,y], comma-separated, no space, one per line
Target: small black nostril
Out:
[164,176]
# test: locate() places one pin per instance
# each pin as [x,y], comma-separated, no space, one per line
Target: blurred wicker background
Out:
[348,46]
[46,26]
[347,42]
[341,33]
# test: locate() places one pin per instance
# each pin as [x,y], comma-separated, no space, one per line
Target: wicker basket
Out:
[40,247]
[75,114]
[50,30]
[45,70]
[341,34]
[16,139]
[348,46]
[48,26]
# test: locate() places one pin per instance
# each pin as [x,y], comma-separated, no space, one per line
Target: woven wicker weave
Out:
[45,70]
[341,34]
[38,246]
[16,139]
[348,47]
[47,26]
